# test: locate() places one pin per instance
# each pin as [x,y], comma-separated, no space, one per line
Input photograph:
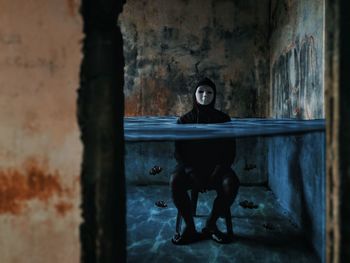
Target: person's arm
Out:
[180,153]
[228,151]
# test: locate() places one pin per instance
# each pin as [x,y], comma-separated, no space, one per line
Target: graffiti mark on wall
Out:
[10,39]
[297,90]
[49,64]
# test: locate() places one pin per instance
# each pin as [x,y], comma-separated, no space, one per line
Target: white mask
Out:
[204,95]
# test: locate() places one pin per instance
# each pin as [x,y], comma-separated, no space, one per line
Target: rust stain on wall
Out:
[63,207]
[132,105]
[71,7]
[33,181]
[155,95]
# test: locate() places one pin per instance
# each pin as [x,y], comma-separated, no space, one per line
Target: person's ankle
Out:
[211,225]
[230,233]
[190,229]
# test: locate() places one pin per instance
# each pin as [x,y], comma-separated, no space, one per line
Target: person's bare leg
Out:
[226,194]
[179,185]
[215,212]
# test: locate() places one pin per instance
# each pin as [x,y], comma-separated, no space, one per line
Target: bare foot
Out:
[215,234]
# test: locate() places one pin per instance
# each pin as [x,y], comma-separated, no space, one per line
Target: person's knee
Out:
[176,181]
[173,180]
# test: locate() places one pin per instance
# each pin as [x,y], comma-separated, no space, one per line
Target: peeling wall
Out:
[170,44]
[297,164]
[40,150]
[296,54]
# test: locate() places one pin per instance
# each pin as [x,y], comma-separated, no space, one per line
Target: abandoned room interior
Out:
[90,95]
[266,59]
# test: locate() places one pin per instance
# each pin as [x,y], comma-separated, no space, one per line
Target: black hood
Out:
[204,82]
[204,113]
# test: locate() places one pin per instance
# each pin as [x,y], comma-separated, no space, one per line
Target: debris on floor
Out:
[150,228]
[248,204]
[161,204]
[155,170]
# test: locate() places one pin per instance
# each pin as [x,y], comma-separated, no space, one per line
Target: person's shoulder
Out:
[186,118]
[222,116]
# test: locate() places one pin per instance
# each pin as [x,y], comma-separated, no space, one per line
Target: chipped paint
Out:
[296,82]
[296,68]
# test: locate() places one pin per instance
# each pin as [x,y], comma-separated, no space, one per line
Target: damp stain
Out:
[71,7]
[296,82]
[32,182]
[63,207]
[155,93]
[132,105]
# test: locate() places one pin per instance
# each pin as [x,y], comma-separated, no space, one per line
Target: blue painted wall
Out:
[296,164]
[140,157]
[297,178]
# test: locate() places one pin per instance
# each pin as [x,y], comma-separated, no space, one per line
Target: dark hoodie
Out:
[205,155]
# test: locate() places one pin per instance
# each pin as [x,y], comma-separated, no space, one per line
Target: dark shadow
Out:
[100,117]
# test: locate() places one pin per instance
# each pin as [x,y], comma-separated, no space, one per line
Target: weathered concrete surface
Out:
[100,117]
[296,55]
[250,163]
[297,178]
[40,150]
[263,234]
[169,44]
[297,164]
[337,64]
[335,223]
[344,131]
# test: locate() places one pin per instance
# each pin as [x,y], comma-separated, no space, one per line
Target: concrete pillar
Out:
[337,81]
[100,115]
[344,128]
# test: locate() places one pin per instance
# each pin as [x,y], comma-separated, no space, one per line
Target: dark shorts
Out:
[216,183]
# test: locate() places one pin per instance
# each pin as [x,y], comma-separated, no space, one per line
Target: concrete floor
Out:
[263,234]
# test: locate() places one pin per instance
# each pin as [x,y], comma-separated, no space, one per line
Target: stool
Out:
[194,200]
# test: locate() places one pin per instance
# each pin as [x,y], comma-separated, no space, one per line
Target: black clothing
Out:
[226,186]
[204,165]
[203,156]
